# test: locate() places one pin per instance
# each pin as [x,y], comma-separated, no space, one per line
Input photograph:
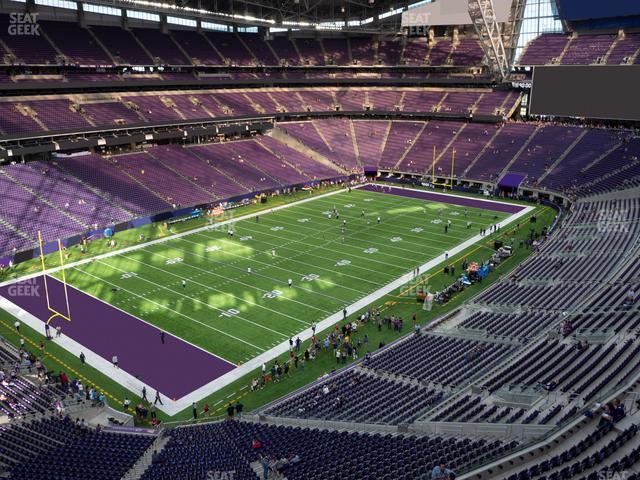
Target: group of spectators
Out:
[343,343]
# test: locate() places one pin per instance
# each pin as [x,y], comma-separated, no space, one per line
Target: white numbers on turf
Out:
[128,275]
[327,212]
[349,205]
[246,238]
[173,261]
[368,199]
[370,250]
[310,277]
[272,294]
[396,239]
[343,263]
[277,228]
[229,313]
[303,220]
[213,248]
[417,229]
[436,221]
[455,214]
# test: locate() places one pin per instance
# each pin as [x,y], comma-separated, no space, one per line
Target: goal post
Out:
[54,313]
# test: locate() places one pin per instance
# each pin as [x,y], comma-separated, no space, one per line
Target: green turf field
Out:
[237,314]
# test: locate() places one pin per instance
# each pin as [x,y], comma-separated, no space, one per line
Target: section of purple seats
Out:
[320,100]
[110,113]
[121,44]
[543,49]
[624,49]
[13,122]
[311,51]
[370,136]
[337,51]
[102,174]
[58,115]
[312,169]
[337,132]
[419,157]
[467,52]
[400,139]
[29,213]
[362,50]
[350,100]
[546,146]
[357,397]
[197,170]
[190,106]
[230,47]
[259,47]
[440,52]
[501,150]
[76,43]
[165,183]
[459,102]
[67,193]
[151,108]
[587,49]
[285,50]
[227,447]
[421,100]
[196,46]
[29,49]
[389,52]
[76,453]
[161,46]
[415,52]
[468,145]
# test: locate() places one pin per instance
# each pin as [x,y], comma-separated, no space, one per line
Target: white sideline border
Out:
[171,407]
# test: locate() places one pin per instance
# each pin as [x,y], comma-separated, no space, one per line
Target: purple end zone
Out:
[454,200]
[175,368]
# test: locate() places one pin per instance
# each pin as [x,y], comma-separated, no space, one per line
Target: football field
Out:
[230,294]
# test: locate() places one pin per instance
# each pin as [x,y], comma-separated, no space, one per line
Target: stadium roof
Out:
[279,13]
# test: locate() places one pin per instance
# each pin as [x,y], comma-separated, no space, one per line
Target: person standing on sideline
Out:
[144,394]
[82,358]
[58,331]
[446,255]
[194,408]
[158,399]
[184,283]
[114,360]
[162,336]
[313,327]
[344,313]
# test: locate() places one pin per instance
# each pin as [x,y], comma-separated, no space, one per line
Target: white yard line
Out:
[172,408]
